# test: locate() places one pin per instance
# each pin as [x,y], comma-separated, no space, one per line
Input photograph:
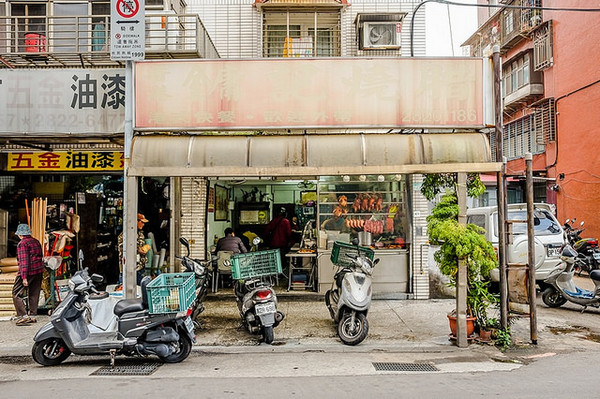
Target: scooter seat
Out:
[127,306]
[583,294]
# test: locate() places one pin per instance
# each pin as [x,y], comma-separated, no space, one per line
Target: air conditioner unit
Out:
[381,35]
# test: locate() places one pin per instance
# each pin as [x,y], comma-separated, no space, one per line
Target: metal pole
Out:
[500,188]
[461,278]
[530,249]
[129,195]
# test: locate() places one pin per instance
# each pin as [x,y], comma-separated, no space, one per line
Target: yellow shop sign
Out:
[65,161]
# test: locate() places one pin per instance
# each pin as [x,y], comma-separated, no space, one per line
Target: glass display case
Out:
[372,208]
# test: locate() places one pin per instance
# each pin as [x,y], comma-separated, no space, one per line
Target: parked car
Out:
[548,232]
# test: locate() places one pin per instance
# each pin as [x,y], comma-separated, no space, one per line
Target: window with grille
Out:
[530,18]
[520,138]
[292,33]
[545,121]
[543,56]
[516,74]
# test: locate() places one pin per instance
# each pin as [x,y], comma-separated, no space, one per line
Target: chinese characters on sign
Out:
[65,161]
[127,30]
[66,101]
[310,93]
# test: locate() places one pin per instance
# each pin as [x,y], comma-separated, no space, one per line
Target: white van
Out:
[548,232]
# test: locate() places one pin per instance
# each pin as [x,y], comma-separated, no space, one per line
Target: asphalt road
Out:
[313,375]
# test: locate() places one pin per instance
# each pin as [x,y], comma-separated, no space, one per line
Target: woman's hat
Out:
[23,230]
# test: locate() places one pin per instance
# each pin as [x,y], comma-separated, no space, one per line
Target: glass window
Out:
[544,223]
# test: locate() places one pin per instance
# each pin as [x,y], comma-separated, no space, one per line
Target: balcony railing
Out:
[84,40]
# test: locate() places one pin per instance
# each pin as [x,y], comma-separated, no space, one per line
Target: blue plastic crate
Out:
[171,292]
[256,264]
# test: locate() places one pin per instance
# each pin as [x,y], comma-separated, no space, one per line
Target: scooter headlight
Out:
[365,265]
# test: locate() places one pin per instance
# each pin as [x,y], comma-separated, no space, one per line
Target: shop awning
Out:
[310,155]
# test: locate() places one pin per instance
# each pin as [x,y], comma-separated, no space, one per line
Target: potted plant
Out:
[461,242]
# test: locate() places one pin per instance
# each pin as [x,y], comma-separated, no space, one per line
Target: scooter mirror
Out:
[185,243]
[96,278]
[582,224]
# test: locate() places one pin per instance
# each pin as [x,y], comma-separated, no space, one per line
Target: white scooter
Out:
[561,287]
[349,298]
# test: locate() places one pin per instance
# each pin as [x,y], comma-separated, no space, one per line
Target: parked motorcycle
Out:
[139,333]
[562,288]
[201,270]
[349,298]
[588,258]
[255,297]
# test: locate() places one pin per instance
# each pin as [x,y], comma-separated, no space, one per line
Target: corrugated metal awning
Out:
[306,155]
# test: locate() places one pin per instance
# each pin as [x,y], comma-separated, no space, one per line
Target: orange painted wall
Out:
[576,65]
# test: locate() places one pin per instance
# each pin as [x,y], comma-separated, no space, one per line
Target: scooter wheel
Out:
[184,347]
[552,298]
[353,333]
[50,352]
[268,335]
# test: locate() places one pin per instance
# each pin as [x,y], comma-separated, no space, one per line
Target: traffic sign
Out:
[127,30]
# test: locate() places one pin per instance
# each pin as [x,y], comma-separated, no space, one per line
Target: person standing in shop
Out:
[278,234]
[142,250]
[29,276]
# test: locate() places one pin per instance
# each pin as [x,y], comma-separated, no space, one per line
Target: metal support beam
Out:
[129,195]
[461,278]
[500,188]
[530,249]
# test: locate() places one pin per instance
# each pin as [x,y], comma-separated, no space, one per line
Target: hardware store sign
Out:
[62,102]
[66,161]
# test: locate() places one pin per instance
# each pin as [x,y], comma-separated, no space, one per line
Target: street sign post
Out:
[127,30]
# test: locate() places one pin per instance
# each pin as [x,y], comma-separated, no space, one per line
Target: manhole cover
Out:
[404,367]
[130,369]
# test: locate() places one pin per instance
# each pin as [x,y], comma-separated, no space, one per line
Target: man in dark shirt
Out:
[29,276]
[231,243]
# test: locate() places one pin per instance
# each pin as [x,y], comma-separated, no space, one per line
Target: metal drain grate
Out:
[128,370]
[404,367]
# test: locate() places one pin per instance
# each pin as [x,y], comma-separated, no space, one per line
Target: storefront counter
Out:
[389,276]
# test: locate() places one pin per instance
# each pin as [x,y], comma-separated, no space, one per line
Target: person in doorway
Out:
[29,277]
[142,250]
[231,243]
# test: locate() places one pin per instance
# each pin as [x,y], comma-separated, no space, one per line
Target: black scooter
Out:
[201,270]
[139,333]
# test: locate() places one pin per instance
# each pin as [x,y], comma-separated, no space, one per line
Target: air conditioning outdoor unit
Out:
[381,35]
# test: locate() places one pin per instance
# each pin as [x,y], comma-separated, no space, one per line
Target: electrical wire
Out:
[498,6]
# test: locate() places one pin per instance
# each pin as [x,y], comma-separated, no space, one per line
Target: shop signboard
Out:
[62,102]
[313,94]
[127,30]
[65,161]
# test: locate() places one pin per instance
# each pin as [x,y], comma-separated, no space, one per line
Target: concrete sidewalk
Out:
[395,326]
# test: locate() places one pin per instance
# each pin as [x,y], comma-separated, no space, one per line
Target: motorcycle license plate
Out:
[597,256]
[264,308]
[553,251]
[189,325]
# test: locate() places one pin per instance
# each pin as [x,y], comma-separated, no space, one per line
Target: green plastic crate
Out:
[171,292]
[256,264]
[340,249]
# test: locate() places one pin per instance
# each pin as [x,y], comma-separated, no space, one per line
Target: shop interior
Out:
[322,210]
[83,218]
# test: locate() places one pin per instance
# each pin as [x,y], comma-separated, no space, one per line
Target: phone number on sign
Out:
[66,122]
[460,116]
